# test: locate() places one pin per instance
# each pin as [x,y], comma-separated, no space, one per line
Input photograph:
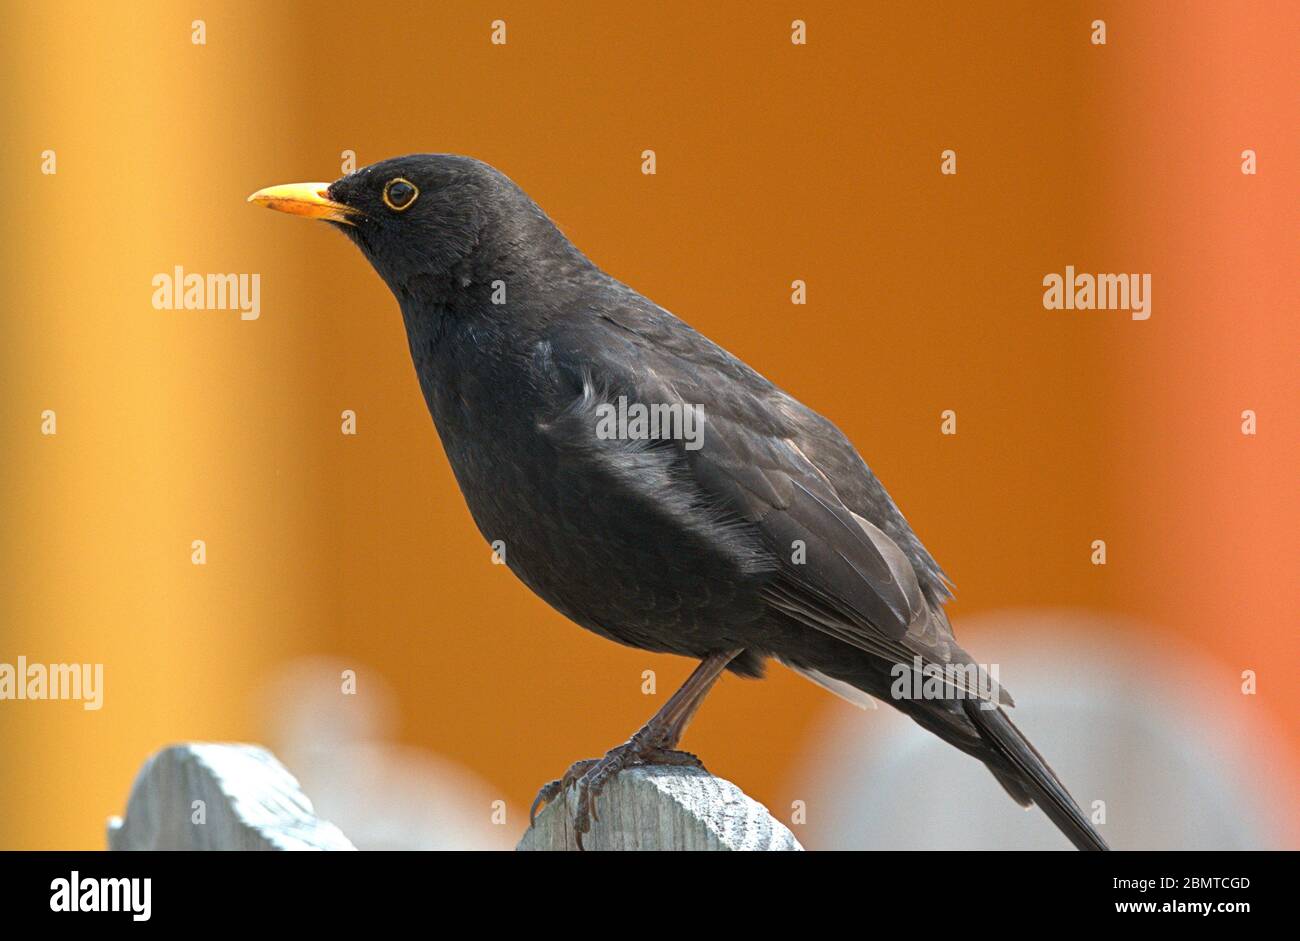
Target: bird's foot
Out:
[590,776]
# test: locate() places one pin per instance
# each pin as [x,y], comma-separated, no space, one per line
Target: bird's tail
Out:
[1032,778]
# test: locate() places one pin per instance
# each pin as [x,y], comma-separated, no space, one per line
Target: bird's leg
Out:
[654,743]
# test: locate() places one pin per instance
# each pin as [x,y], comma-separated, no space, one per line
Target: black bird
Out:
[766,536]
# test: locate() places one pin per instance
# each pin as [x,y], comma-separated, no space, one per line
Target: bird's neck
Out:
[464,349]
[473,327]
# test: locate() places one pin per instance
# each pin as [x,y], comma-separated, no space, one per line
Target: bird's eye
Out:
[399,194]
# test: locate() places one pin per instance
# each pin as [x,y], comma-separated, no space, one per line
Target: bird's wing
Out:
[844,560]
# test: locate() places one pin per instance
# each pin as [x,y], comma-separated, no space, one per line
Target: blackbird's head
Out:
[426,222]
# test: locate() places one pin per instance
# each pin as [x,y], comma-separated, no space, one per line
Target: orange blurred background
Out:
[775,162]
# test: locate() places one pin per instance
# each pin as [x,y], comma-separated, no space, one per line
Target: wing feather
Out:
[864,578]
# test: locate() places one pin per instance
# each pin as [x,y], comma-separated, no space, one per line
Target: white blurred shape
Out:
[382,795]
[1179,756]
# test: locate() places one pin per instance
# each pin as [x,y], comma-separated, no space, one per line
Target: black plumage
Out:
[649,542]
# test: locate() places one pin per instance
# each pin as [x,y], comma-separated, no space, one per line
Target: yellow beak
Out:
[304,199]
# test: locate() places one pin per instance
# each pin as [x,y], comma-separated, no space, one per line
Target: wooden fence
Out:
[202,796]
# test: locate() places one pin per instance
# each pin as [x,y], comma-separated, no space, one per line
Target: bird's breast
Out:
[616,559]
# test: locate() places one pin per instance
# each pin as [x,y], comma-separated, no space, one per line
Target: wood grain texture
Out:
[665,808]
[250,802]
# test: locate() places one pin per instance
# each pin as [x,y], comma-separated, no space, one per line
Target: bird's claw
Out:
[549,791]
[589,777]
[553,789]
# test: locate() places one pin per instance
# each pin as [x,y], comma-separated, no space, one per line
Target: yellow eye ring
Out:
[402,193]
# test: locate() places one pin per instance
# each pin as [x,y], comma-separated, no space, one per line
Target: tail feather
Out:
[1034,778]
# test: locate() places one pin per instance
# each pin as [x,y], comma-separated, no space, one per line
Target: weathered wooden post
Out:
[665,808]
[248,802]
